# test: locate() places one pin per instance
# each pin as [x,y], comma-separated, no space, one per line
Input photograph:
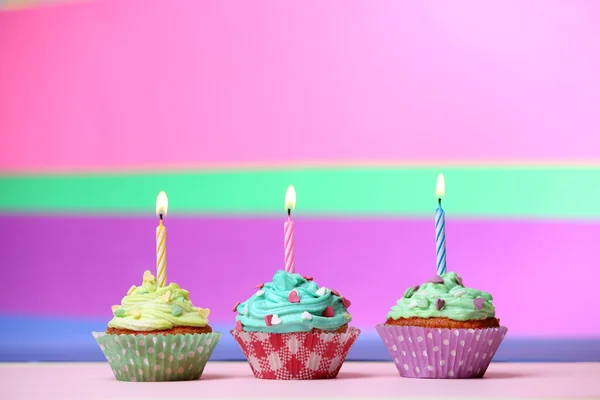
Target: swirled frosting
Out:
[292,303]
[149,307]
[444,296]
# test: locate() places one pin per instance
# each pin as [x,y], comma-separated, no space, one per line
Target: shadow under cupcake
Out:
[442,329]
[157,335]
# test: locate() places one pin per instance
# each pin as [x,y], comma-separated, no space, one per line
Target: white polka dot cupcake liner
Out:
[296,356]
[441,353]
[157,358]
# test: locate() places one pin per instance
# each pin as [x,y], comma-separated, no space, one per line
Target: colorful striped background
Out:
[359,106]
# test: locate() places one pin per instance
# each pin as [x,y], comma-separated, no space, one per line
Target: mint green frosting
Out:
[272,300]
[148,307]
[459,301]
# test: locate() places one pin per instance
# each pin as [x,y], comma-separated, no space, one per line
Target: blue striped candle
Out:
[440,226]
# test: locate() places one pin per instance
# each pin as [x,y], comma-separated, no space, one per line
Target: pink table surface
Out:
[234,380]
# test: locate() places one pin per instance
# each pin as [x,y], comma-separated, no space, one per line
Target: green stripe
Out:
[571,192]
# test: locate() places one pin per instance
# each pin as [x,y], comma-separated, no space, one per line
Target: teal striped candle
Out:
[440,226]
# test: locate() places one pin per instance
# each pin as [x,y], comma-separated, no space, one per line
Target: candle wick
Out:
[440,201]
[160,215]
[289,212]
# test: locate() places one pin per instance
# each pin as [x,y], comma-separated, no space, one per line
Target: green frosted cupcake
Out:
[442,329]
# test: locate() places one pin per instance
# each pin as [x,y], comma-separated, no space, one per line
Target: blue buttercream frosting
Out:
[273,302]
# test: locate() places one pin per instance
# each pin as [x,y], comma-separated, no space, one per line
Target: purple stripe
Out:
[539,271]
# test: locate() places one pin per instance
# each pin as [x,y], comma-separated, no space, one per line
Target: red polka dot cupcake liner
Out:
[441,353]
[301,355]
[156,358]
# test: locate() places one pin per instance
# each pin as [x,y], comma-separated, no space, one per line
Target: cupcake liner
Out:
[155,358]
[298,355]
[441,353]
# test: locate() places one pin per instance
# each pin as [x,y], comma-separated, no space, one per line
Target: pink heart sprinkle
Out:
[308,278]
[346,302]
[478,303]
[439,304]
[293,297]
[328,312]
[236,306]
[268,319]
[259,286]
[336,292]
[238,326]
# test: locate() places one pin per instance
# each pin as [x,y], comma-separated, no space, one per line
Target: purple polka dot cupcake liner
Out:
[157,358]
[441,353]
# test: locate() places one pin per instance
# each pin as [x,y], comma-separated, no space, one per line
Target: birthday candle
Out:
[440,226]
[288,230]
[162,203]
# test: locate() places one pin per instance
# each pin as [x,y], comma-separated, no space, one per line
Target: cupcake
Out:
[157,334]
[293,329]
[442,329]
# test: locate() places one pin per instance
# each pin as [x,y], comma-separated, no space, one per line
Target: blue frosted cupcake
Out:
[293,329]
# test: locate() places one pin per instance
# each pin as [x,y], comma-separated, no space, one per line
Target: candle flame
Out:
[440,186]
[290,198]
[162,204]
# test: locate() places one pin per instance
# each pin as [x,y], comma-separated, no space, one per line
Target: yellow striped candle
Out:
[162,204]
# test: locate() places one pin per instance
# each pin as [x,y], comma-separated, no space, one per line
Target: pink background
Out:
[137,83]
